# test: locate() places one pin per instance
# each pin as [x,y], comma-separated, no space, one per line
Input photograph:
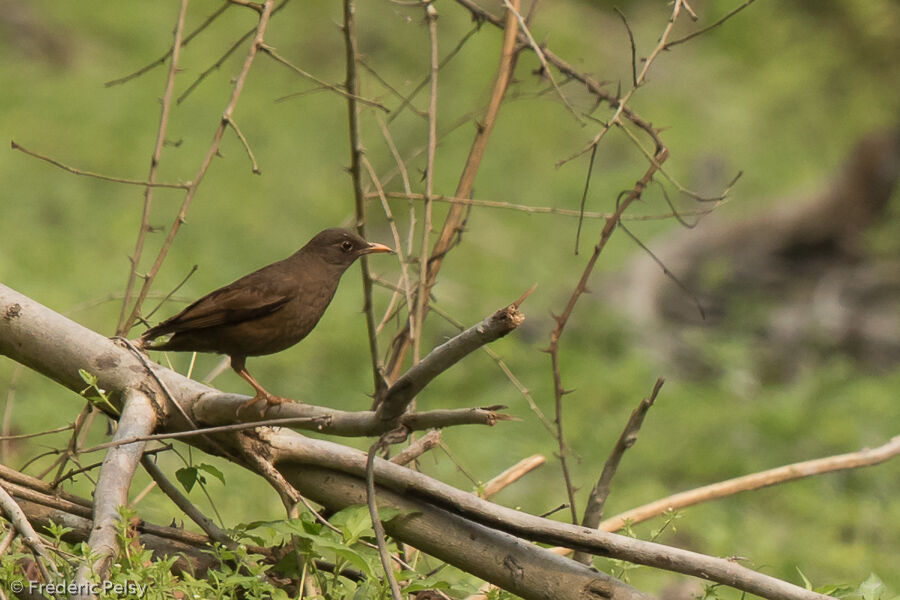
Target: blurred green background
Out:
[781,92]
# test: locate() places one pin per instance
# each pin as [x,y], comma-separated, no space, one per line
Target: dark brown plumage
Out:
[268,310]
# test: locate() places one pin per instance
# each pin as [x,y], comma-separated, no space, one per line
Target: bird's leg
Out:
[238,364]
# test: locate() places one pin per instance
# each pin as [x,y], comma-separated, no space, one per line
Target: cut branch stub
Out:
[396,399]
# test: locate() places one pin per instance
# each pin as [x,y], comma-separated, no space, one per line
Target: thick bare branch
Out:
[296,454]
[20,523]
[333,474]
[403,390]
[138,418]
[51,344]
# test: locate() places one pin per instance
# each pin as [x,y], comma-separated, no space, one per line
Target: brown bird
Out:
[268,310]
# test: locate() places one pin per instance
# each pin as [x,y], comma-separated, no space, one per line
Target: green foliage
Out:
[188,476]
[94,394]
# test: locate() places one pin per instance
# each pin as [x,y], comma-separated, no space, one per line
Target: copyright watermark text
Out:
[53,589]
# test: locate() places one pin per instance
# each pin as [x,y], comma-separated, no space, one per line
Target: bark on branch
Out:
[450,524]
[52,345]
[138,419]
[401,393]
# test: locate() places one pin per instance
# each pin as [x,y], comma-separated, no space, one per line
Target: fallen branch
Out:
[852,460]
[138,418]
[313,467]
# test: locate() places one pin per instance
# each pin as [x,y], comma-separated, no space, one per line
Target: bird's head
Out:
[340,247]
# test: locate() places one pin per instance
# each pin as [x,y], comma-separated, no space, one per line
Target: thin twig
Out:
[162,59]
[584,195]
[25,436]
[202,432]
[191,190]
[453,221]
[511,475]
[707,28]
[392,223]
[545,68]
[852,460]
[418,448]
[566,212]
[74,171]
[186,506]
[597,500]
[246,145]
[356,151]
[563,318]
[407,100]
[376,521]
[154,165]
[418,308]
[328,86]
[634,81]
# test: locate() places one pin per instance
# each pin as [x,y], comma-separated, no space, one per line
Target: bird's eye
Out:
[346,245]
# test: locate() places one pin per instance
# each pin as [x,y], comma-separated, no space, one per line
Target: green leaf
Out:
[212,471]
[806,582]
[872,588]
[88,378]
[187,477]
[355,559]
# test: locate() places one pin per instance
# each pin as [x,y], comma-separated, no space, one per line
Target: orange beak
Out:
[374,248]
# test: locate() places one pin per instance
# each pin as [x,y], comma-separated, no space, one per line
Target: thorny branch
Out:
[356,151]
[453,221]
[135,259]
[191,191]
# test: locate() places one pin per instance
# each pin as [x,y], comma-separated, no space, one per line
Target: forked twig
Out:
[596,501]
[454,218]
[703,30]
[191,190]
[175,52]
[162,59]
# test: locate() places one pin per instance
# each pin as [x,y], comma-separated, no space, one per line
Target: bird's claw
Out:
[270,400]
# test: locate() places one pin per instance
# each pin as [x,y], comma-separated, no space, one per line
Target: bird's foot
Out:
[270,400]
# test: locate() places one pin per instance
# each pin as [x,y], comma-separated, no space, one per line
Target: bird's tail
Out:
[148,340]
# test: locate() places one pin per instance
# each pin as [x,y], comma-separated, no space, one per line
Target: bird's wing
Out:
[226,306]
